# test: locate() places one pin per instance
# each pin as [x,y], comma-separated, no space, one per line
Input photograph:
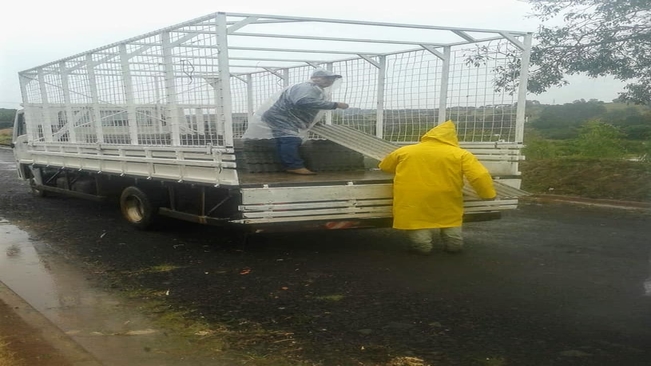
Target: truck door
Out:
[19,142]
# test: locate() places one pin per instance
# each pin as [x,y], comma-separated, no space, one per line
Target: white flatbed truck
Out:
[157,119]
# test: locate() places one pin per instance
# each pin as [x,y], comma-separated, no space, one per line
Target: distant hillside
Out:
[7,117]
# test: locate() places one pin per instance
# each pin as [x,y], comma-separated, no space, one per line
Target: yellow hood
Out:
[446,133]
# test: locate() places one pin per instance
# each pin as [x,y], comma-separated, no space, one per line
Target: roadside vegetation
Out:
[589,149]
[6,117]
[6,123]
[5,136]
[7,357]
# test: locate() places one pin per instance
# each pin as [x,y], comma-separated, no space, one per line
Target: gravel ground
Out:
[550,284]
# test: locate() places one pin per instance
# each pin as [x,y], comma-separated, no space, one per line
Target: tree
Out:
[598,38]
[562,121]
[600,140]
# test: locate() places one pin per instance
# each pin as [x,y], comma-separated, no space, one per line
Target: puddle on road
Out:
[107,327]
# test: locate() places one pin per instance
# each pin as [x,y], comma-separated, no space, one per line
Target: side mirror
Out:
[12,145]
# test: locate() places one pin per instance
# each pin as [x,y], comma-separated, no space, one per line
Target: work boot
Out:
[301,171]
[452,239]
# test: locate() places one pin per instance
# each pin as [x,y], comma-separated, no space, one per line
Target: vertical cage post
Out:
[328,114]
[445,78]
[92,83]
[70,115]
[47,118]
[249,98]
[199,121]
[285,78]
[224,83]
[381,83]
[172,115]
[219,106]
[128,93]
[159,111]
[522,89]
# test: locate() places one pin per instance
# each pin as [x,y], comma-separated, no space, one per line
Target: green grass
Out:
[616,179]
[5,136]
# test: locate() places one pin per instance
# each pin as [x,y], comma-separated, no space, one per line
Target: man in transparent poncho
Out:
[292,115]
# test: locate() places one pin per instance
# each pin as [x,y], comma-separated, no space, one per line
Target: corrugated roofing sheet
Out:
[377,148]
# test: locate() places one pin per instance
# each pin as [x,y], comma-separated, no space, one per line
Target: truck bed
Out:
[282,179]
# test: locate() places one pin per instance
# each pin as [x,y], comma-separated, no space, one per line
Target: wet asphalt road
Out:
[552,284]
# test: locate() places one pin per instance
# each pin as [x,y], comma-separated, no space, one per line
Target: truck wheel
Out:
[36,192]
[138,208]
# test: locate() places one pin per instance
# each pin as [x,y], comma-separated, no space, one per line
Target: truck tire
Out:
[138,208]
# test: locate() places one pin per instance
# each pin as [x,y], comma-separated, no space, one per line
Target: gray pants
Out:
[421,240]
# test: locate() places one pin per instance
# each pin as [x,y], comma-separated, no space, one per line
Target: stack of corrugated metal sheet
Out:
[377,148]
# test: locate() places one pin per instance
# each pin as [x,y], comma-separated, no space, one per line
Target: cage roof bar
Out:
[262,22]
[261,49]
[355,53]
[381,24]
[199,20]
[337,39]
[276,59]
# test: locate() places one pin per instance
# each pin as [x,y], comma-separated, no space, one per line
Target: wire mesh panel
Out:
[241,106]
[197,79]
[359,90]
[483,112]
[412,95]
[154,90]
[199,82]
[33,105]
[264,85]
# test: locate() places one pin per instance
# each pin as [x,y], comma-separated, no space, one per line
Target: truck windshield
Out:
[19,124]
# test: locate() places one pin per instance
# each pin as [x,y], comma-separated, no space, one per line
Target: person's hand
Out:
[341,105]
[490,199]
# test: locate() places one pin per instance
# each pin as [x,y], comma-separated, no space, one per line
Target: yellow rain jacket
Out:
[428,181]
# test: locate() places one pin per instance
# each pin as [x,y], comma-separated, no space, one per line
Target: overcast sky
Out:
[36,32]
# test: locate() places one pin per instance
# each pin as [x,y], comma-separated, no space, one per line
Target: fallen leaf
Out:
[141,332]
[245,271]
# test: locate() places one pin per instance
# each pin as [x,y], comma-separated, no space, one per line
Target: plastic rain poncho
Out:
[429,178]
[291,112]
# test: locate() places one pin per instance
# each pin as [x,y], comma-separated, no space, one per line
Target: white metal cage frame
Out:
[198,83]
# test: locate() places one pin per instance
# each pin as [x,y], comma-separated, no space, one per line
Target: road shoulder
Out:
[34,339]
[550,198]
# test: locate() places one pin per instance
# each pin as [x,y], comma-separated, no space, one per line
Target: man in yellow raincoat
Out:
[428,184]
